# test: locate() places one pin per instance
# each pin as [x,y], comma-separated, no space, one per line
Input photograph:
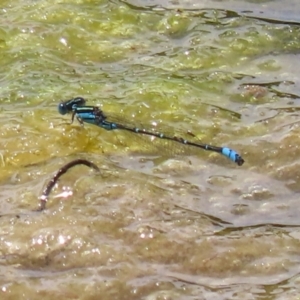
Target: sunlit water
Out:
[152,225]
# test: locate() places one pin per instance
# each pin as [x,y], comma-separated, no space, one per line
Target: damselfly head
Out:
[69,105]
[62,109]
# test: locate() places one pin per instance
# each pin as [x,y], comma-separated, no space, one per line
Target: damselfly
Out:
[94,115]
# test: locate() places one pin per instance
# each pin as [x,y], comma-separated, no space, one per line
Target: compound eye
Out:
[62,109]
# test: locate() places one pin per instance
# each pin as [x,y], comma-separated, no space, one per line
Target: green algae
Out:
[153,225]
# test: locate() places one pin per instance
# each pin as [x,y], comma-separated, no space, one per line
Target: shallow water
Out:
[152,225]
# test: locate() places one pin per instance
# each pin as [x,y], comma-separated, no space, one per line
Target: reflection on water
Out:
[152,224]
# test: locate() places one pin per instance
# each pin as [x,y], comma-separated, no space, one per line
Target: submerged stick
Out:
[44,197]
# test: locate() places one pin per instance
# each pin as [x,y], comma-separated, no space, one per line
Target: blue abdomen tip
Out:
[231,154]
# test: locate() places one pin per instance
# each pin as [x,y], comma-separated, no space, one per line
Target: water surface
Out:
[152,225]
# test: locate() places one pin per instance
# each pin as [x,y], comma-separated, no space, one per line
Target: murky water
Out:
[152,225]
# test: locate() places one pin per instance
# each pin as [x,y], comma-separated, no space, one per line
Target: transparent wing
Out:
[161,145]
